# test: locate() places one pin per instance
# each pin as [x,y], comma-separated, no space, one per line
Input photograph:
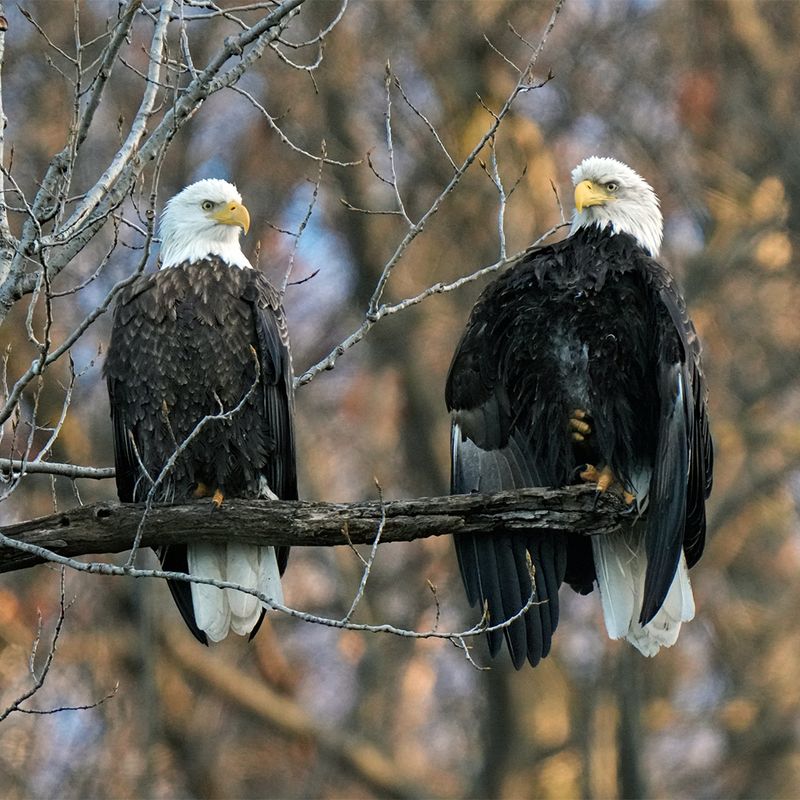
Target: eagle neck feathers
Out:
[184,247]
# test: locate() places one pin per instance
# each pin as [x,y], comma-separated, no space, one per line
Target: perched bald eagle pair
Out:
[580,363]
[199,365]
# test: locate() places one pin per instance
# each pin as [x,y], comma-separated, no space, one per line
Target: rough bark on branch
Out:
[111,527]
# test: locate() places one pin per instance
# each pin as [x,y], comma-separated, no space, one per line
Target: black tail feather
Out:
[174,559]
[496,572]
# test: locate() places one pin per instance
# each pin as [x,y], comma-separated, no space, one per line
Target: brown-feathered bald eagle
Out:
[204,334]
[580,363]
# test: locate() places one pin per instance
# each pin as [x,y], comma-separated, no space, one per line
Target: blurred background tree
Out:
[700,98]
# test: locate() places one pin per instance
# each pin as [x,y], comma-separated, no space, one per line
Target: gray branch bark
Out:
[112,527]
[50,468]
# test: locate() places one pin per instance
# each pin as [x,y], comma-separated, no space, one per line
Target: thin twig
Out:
[388,310]
[304,222]
[59,709]
[427,122]
[38,680]
[390,212]
[370,561]
[323,33]
[387,123]
[312,67]
[272,122]
[558,203]
[45,449]
[5,230]
[503,55]
[102,568]
[494,176]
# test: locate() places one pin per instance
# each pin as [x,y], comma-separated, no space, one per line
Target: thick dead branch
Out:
[112,527]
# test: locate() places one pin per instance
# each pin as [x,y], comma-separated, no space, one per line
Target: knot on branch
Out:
[233,45]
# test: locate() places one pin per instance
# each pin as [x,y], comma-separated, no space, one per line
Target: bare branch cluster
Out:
[57,223]
[39,677]
[377,310]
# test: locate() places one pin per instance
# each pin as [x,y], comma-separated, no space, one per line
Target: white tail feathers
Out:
[621,563]
[218,611]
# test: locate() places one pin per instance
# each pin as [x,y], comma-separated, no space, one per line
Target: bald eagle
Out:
[580,363]
[205,336]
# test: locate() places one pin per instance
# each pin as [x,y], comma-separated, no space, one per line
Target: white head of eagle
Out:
[205,219]
[610,193]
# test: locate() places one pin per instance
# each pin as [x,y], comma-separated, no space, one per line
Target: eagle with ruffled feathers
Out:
[580,363]
[199,366]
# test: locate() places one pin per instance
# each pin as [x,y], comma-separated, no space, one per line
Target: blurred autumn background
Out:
[701,99]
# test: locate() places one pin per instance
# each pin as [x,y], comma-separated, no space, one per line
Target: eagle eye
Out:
[611,186]
[206,205]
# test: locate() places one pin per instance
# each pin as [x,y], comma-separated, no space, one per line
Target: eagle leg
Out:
[202,490]
[605,480]
[578,425]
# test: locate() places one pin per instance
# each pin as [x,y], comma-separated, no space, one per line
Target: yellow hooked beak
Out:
[587,194]
[233,213]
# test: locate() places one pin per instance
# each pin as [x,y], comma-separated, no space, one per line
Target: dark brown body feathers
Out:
[192,341]
[589,323]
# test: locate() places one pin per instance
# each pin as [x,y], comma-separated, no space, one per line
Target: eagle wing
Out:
[277,391]
[126,355]
[491,452]
[682,470]
[277,388]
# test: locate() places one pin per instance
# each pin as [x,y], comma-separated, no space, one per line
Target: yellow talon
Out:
[605,480]
[577,425]
[201,490]
[591,474]
[217,499]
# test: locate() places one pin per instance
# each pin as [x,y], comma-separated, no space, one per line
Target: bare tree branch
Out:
[385,310]
[109,190]
[124,155]
[376,310]
[369,562]
[112,527]
[40,678]
[53,468]
[6,242]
